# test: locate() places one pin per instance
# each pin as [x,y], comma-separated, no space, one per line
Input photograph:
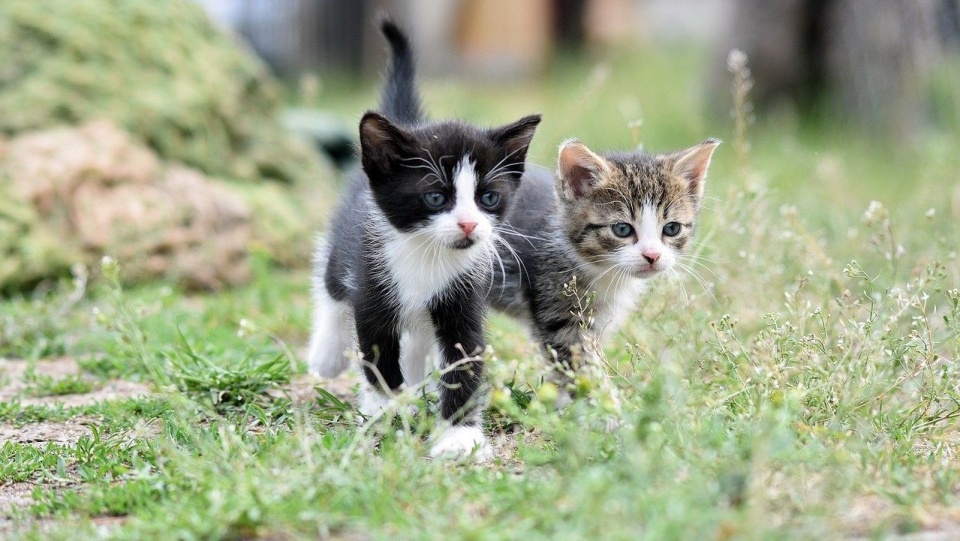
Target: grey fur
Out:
[531,284]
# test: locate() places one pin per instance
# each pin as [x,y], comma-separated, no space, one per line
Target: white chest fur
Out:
[615,299]
[420,269]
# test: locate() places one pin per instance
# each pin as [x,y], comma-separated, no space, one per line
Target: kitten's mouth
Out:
[462,244]
[648,272]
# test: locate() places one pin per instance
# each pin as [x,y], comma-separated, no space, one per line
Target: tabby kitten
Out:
[585,242]
[408,258]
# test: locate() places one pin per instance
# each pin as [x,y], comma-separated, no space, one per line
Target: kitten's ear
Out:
[691,164]
[381,143]
[515,138]
[579,169]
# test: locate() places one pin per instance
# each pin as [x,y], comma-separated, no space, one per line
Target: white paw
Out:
[372,401]
[458,442]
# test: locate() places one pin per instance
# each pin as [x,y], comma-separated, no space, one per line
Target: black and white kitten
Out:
[409,255]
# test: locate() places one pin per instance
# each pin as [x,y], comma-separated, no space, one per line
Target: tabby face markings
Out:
[631,212]
[646,250]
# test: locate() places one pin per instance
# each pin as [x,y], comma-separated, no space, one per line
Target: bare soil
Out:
[13,387]
[302,388]
[44,432]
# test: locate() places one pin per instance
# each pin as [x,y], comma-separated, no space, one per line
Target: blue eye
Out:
[622,229]
[489,199]
[434,199]
[672,229]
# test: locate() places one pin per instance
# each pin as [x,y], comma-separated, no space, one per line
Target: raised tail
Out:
[400,101]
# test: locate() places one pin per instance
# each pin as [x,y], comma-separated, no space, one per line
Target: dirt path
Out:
[13,387]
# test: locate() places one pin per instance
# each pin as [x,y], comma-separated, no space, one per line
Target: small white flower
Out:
[875,213]
[930,213]
[245,329]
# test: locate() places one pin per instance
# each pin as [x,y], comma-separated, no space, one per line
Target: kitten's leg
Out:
[578,358]
[564,349]
[372,399]
[572,351]
[332,336]
[458,322]
[417,351]
[379,339]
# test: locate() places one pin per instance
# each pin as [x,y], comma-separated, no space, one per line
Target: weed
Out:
[45,385]
[38,327]
[232,381]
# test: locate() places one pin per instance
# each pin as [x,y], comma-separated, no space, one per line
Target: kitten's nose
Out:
[467,227]
[651,256]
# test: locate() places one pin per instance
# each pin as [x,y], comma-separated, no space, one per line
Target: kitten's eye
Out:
[672,229]
[489,199]
[434,199]
[622,229]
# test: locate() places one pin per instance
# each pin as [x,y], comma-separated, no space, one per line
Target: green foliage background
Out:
[167,75]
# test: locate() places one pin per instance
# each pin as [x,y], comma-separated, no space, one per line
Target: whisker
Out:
[503,271]
[601,275]
[515,233]
[705,267]
[499,165]
[617,279]
[699,279]
[427,164]
[490,177]
[521,268]
[491,252]
[686,298]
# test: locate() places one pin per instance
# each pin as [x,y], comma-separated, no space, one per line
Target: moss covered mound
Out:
[160,70]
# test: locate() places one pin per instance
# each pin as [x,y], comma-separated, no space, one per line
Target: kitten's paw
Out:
[459,442]
[372,402]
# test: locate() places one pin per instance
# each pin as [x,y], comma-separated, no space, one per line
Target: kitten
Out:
[604,225]
[409,254]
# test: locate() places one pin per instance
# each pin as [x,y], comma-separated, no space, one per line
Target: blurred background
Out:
[182,137]
[881,60]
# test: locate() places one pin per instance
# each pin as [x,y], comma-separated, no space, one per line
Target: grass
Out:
[45,385]
[803,384]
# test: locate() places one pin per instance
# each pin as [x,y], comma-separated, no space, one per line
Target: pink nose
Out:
[467,227]
[651,256]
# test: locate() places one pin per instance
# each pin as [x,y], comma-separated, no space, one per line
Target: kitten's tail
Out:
[400,100]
